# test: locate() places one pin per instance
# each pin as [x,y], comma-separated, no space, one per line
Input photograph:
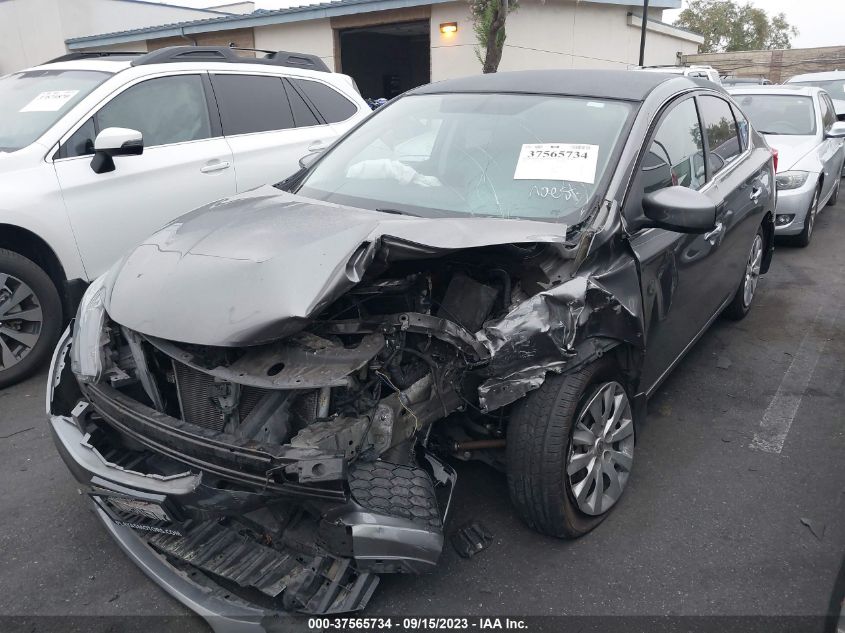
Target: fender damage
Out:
[330,360]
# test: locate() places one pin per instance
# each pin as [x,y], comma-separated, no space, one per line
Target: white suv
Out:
[97,151]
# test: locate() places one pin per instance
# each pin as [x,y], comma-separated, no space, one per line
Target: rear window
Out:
[779,114]
[249,103]
[333,106]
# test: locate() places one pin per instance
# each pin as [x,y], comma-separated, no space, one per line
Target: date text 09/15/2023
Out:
[417,623]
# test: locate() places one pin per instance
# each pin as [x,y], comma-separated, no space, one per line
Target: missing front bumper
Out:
[181,516]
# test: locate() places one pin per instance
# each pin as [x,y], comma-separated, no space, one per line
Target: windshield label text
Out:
[557,161]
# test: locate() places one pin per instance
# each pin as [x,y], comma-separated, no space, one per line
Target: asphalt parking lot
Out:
[709,525]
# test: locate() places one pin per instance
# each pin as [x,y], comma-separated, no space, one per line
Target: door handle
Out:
[220,165]
[715,235]
[756,192]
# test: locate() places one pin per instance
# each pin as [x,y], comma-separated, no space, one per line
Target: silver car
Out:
[799,122]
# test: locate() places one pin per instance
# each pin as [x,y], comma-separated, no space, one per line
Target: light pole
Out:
[642,32]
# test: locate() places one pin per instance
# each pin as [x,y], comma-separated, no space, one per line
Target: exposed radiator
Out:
[198,398]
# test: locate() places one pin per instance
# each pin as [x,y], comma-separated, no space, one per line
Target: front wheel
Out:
[806,234]
[570,449]
[30,317]
[835,195]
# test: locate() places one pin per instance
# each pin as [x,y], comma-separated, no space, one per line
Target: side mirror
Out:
[115,141]
[680,209]
[837,130]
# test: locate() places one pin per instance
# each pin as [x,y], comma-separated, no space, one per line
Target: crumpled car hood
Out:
[252,268]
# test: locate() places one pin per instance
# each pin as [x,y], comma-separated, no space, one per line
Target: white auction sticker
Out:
[557,161]
[49,101]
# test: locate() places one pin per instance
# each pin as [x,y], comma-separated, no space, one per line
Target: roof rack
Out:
[173,54]
[69,57]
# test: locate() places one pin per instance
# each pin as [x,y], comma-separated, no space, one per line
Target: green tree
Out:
[488,23]
[729,26]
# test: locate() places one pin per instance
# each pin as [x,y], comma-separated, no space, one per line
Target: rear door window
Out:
[252,103]
[332,105]
[723,144]
[676,153]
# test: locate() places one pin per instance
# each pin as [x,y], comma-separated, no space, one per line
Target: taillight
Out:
[775,159]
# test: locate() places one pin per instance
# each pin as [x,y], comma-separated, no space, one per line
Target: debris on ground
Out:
[6,437]
[471,538]
[723,362]
[816,529]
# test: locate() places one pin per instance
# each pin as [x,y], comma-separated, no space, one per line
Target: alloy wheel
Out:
[752,270]
[21,320]
[811,214]
[601,452]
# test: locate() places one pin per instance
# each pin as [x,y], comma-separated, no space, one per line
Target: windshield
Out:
[32,101]
[835,87]
[525,156]
[780,114]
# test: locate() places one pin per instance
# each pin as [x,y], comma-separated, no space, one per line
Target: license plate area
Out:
[135,509]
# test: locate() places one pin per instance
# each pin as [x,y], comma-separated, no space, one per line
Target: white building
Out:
[34,31]
[390,46]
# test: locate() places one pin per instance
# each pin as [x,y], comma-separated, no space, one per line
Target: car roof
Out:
[110,65]
[116,64]
[823,76]
[610,84]
[779,89]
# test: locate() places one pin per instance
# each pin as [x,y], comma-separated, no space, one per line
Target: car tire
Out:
[835,195]
[806,235]
[553,454]
[26,342]
[740,305]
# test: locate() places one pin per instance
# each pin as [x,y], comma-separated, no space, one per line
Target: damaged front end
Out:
[284,457]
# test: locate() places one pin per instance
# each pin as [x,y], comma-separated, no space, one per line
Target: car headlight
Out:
[87,359]
[791,179]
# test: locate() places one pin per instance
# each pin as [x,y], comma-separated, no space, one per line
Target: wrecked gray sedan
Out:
[263,399]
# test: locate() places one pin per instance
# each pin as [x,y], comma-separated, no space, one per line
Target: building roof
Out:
[265,17]
[629,85]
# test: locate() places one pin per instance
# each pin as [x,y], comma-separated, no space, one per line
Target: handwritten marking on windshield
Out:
[564,192]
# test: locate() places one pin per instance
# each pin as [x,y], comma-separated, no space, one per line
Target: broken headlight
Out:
[791,179]
[86,353]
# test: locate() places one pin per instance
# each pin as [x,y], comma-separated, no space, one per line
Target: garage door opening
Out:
[388,59]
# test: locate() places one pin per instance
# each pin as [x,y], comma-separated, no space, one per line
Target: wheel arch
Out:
[768,226]
[33,247]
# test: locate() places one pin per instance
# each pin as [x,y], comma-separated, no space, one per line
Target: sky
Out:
[819,22]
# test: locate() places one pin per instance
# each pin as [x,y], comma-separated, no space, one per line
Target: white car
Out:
[97,151]
[832,81]
[695,70]
[799,123]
